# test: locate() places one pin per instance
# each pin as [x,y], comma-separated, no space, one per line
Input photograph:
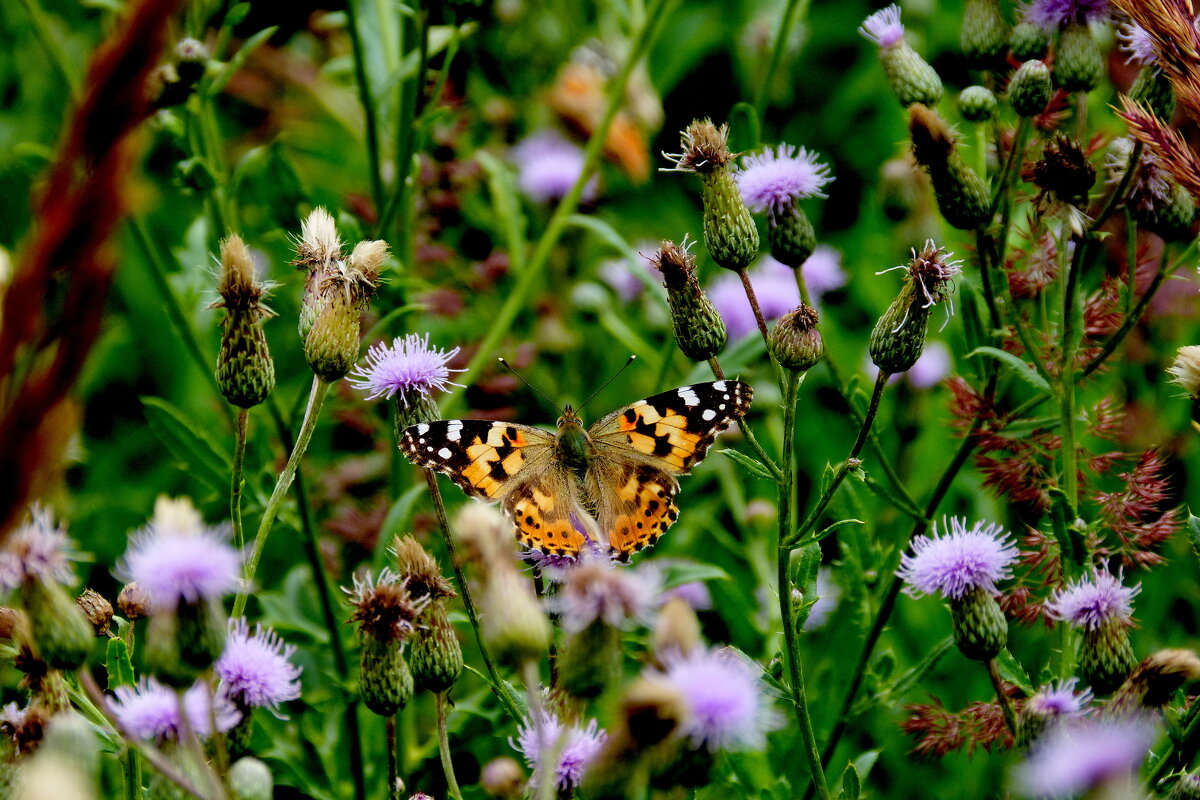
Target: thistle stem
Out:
[237,482]
[368,103]
[316,399]
[1006,706]
[758,315]
[390,742]
[444,749]
[794,11]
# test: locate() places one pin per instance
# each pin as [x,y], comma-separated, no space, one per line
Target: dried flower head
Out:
[383,608]
[1054,14]
[1185,372]
[422,573]
[24,727]
[930,269]
[237,285]
[774,180]
[1155,680]
[39,550]
[958,560]
[598,590]
[409,367]
[703,148]
[576,746]
[1063,171]
[150,710]
[1093,600]
[319,246]
[1173,153]
[256,670]
[1074,758]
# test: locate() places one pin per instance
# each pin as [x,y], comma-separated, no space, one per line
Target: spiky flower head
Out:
[580,744]
[772,181]
[898,338]
[435,654]
[796,341]
[597,590]
[977,104]
[1063,171]
[1055,14]
[703,147]
[1085,755]
[1053,704]
[910,76]
[245,371]
[407,369]
[1186,788]
[960,193]
[383,607]
[1136,42]
[37,551]
[151,711]
[1091,601]
[699,329]
[257,670]
[958,559]
[1185,372]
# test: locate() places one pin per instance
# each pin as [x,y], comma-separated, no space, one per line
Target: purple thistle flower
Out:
[694,593]
[596,589]
[723,692]
[577,749]
[774,285]
[883,27]
[1137,43]
[958,561]
[1059,700]
[257,670]
[176,558]
[931,368]
[823,271]
[151,710]
[773,180]
[36,551]
[1091,601]
[548,166]
[1085,754]
[408,367]
[1055,14]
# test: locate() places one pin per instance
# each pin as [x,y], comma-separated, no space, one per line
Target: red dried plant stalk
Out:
[70,257]
[1166,144]
[1136,514]
[1170,25]
[939,731]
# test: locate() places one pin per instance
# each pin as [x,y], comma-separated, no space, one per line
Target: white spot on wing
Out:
[708,414]
[719,385]
[689,397]
[454,430]
[445,452]
[722,407]
[423,429]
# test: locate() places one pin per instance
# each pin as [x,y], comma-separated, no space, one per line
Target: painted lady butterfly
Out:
[614,481]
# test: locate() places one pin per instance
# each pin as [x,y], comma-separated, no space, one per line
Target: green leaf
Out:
[118,664]
[1193,529]
[1012,671]
[831,528]
[230,69]
[748,463]
[191,444]
[507,207]
[851,786]
[678,573]
[1024,370]
[743,128]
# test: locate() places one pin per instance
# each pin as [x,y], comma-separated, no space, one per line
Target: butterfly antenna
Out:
[536,390]
[607,382]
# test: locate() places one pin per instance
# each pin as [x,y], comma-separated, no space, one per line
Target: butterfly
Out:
[612,483]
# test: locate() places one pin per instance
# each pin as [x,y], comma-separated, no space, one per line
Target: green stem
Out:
[787,513]
[498,685]
[794,11]
[368,103]
[761,322]
[132,762]
[744,427]
[1070,470]
[389,744]
[316,399]
[52,44]
[444,749]
[1006,706]
[238,481]
[982,248]
[406,135]
[531,273]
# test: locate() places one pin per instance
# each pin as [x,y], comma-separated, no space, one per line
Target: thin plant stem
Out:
[132,763]
[444,749]
[389,744]
[316,399]
[52,44]
[802,285]
[368,103]
[1006,705]
[1070,469]
[406,136]
[744,427]
[238,479]
[464,590]
[531,271]
[220,746]
[794,11]
[758,315]
[1129,322]
[787,513]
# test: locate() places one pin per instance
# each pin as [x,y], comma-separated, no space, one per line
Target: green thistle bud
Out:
[251,779]
[590,660]
[1172,217]
[238,738]
[1106,656]
[977,104]
[980,629]
[412,410]
[911,77]
[961,195]
[699,329]
[984,36]
[899,336]
[1030,89]
[729,231]
[436,654]
[795,341]
[515,626]
[791,237]
[386,683]
[1153,90]
[61,633]
[1156,680]
[245,371]
[387,614]
[1028,41]
[1078,63]
[182,645]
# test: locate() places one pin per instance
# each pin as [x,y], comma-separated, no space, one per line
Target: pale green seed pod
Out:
[1078,64]
[245,371]
[980,629]
[1030,89]
[435,654]
[385,681]
[251,779]
[985,34]
[977,104]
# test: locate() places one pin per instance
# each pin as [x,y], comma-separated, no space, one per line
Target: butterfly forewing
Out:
[484,458]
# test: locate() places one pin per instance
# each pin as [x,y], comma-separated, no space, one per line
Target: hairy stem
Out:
[238,480]
[444,750]
[393,767]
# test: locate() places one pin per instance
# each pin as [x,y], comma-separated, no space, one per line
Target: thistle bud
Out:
[98,610]
[1028,41]
[245,371]
[980,629]
[435,654]
[729,231]
[251,779]
[191,57]
[910,76]
[984,36]
[514,625]
[11,622]
[1185,372]
[183,644]
[386,614]
[677,630]
[385,682]
[977,104]
[1063,170]
[795,341]
[961,196]
[1106,656]
[699,329]
[1154,682]
[1078,63]
[1171,217]
[899,336]
[1030,89]
[60,631]
[502,778]
[1153,90]
[133,601]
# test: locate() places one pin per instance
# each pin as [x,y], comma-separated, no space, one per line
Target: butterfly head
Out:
[573,444]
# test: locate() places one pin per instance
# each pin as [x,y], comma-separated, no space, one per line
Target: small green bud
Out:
[1172,217]
[385,681]
[1078,63]
[961,195]
[791,237]
[1153,90]
[699,329]
[251,779]
[899,336]
[1106,656]
[1028,41]
[245,371]
[795,340]
[1030,89]
[980,629]
[435,653]
[985,34]
[514,626]
[977,104]
[912,79]
[61,633]
[412,410]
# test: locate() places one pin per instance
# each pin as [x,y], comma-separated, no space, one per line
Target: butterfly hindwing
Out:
[484,458]
[635,503]
[546,512]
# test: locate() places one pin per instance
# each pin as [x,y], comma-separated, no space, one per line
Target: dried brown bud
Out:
[133,601]
[1063,170]
[385,609]
[12,622]
[1154,681]
[703,146]
[98,610]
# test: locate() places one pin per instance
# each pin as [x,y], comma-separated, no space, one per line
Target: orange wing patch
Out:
[545,513]
[638,507]
[482,457]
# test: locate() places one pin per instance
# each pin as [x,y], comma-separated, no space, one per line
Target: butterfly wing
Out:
[486,459]
[640,448]
[547,512]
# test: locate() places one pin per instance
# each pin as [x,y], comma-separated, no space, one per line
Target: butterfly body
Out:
[613,483]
